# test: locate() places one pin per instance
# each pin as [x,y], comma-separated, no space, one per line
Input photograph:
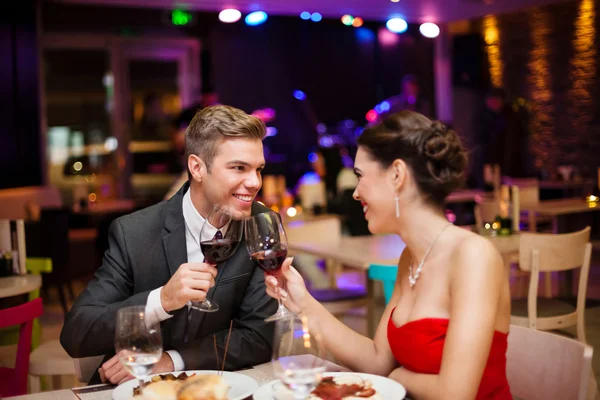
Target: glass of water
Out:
[138,344]
[298,354]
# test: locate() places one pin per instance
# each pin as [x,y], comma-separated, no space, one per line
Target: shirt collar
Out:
[194,221]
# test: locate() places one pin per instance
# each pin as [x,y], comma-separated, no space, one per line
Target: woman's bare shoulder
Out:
[472,251]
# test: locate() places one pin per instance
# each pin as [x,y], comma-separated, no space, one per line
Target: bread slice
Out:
[161,390]
[203,387]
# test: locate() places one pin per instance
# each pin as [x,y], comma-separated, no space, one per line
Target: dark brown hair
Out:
[434,154]
[213,124]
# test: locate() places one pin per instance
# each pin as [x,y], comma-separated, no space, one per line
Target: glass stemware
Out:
[298,354]
[225,229]
[267,244]
[138,344]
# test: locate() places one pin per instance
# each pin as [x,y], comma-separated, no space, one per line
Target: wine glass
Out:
[225,227]
[267,245]
[138,344]
[298,354]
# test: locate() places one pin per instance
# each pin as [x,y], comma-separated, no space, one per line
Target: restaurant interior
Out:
[99,93]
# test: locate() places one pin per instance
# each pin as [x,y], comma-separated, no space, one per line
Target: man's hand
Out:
[191,282]
[113,371]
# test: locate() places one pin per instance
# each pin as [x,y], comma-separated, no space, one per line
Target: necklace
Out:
[412,280]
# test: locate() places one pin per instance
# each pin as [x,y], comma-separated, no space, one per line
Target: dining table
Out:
[556,209]
[262,374]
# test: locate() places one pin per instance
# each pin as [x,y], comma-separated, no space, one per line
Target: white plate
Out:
[389,389]
[241,386]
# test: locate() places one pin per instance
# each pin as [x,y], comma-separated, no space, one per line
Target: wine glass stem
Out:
[141,381]
[280,290]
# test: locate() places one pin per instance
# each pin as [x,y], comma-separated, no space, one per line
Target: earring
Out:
[397,207]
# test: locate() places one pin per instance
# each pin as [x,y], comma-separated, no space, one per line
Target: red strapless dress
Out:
[418,347]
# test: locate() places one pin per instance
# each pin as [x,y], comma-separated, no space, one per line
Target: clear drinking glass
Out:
[138,344]
[298,354]
[267,245]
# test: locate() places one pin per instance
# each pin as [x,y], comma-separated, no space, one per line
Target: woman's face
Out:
[376,192]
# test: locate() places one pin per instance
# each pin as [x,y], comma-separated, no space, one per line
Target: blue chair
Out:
[387,274]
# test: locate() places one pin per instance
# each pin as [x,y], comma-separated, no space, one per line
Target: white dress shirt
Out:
[193,226]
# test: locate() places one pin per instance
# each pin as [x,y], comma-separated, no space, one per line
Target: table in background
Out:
[19,284]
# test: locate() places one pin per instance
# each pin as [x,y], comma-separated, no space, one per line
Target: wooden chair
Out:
[486,211]
[491,176]
[13,381]
[544,366]
[529,194]
[553,252]
[49,359]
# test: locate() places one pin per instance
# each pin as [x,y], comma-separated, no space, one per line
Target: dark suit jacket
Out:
[145,249]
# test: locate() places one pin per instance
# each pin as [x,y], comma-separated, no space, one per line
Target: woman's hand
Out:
[295,296]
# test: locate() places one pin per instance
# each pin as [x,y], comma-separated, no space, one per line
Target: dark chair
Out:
[49,238]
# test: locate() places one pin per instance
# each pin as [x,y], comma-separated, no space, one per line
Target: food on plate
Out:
[183,387]
[346,387]
[204,387]
[162,377]
[160,390]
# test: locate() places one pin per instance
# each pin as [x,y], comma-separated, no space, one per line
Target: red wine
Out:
[218,250]
[270,260]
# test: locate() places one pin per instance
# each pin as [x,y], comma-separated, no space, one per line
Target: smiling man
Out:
[154,259]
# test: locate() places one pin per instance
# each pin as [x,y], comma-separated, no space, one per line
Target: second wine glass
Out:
[267,245]
[138,344]
[298,355]
[223,228]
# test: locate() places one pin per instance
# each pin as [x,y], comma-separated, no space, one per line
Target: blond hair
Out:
[213,124]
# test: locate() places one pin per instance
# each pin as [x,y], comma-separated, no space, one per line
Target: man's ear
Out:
[197,167]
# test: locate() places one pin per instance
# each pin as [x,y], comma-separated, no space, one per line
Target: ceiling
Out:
[411,10]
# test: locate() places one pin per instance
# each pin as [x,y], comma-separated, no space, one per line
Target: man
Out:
[154,259]
[410,98]
[501,138]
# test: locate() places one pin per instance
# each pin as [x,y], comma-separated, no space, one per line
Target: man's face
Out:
[411,89]
[234,177]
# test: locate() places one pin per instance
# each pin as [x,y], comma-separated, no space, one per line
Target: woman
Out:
[444,333]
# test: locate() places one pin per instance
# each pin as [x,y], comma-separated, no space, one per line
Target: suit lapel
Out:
[174,232]
[174,245]
[175,249]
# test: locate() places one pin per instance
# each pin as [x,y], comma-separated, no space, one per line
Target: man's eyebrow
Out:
[244,163]
[240,162]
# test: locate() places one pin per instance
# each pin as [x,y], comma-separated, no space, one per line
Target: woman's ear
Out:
[398,171]
[197,167]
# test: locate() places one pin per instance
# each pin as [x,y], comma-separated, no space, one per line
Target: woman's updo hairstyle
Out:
[433,153]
